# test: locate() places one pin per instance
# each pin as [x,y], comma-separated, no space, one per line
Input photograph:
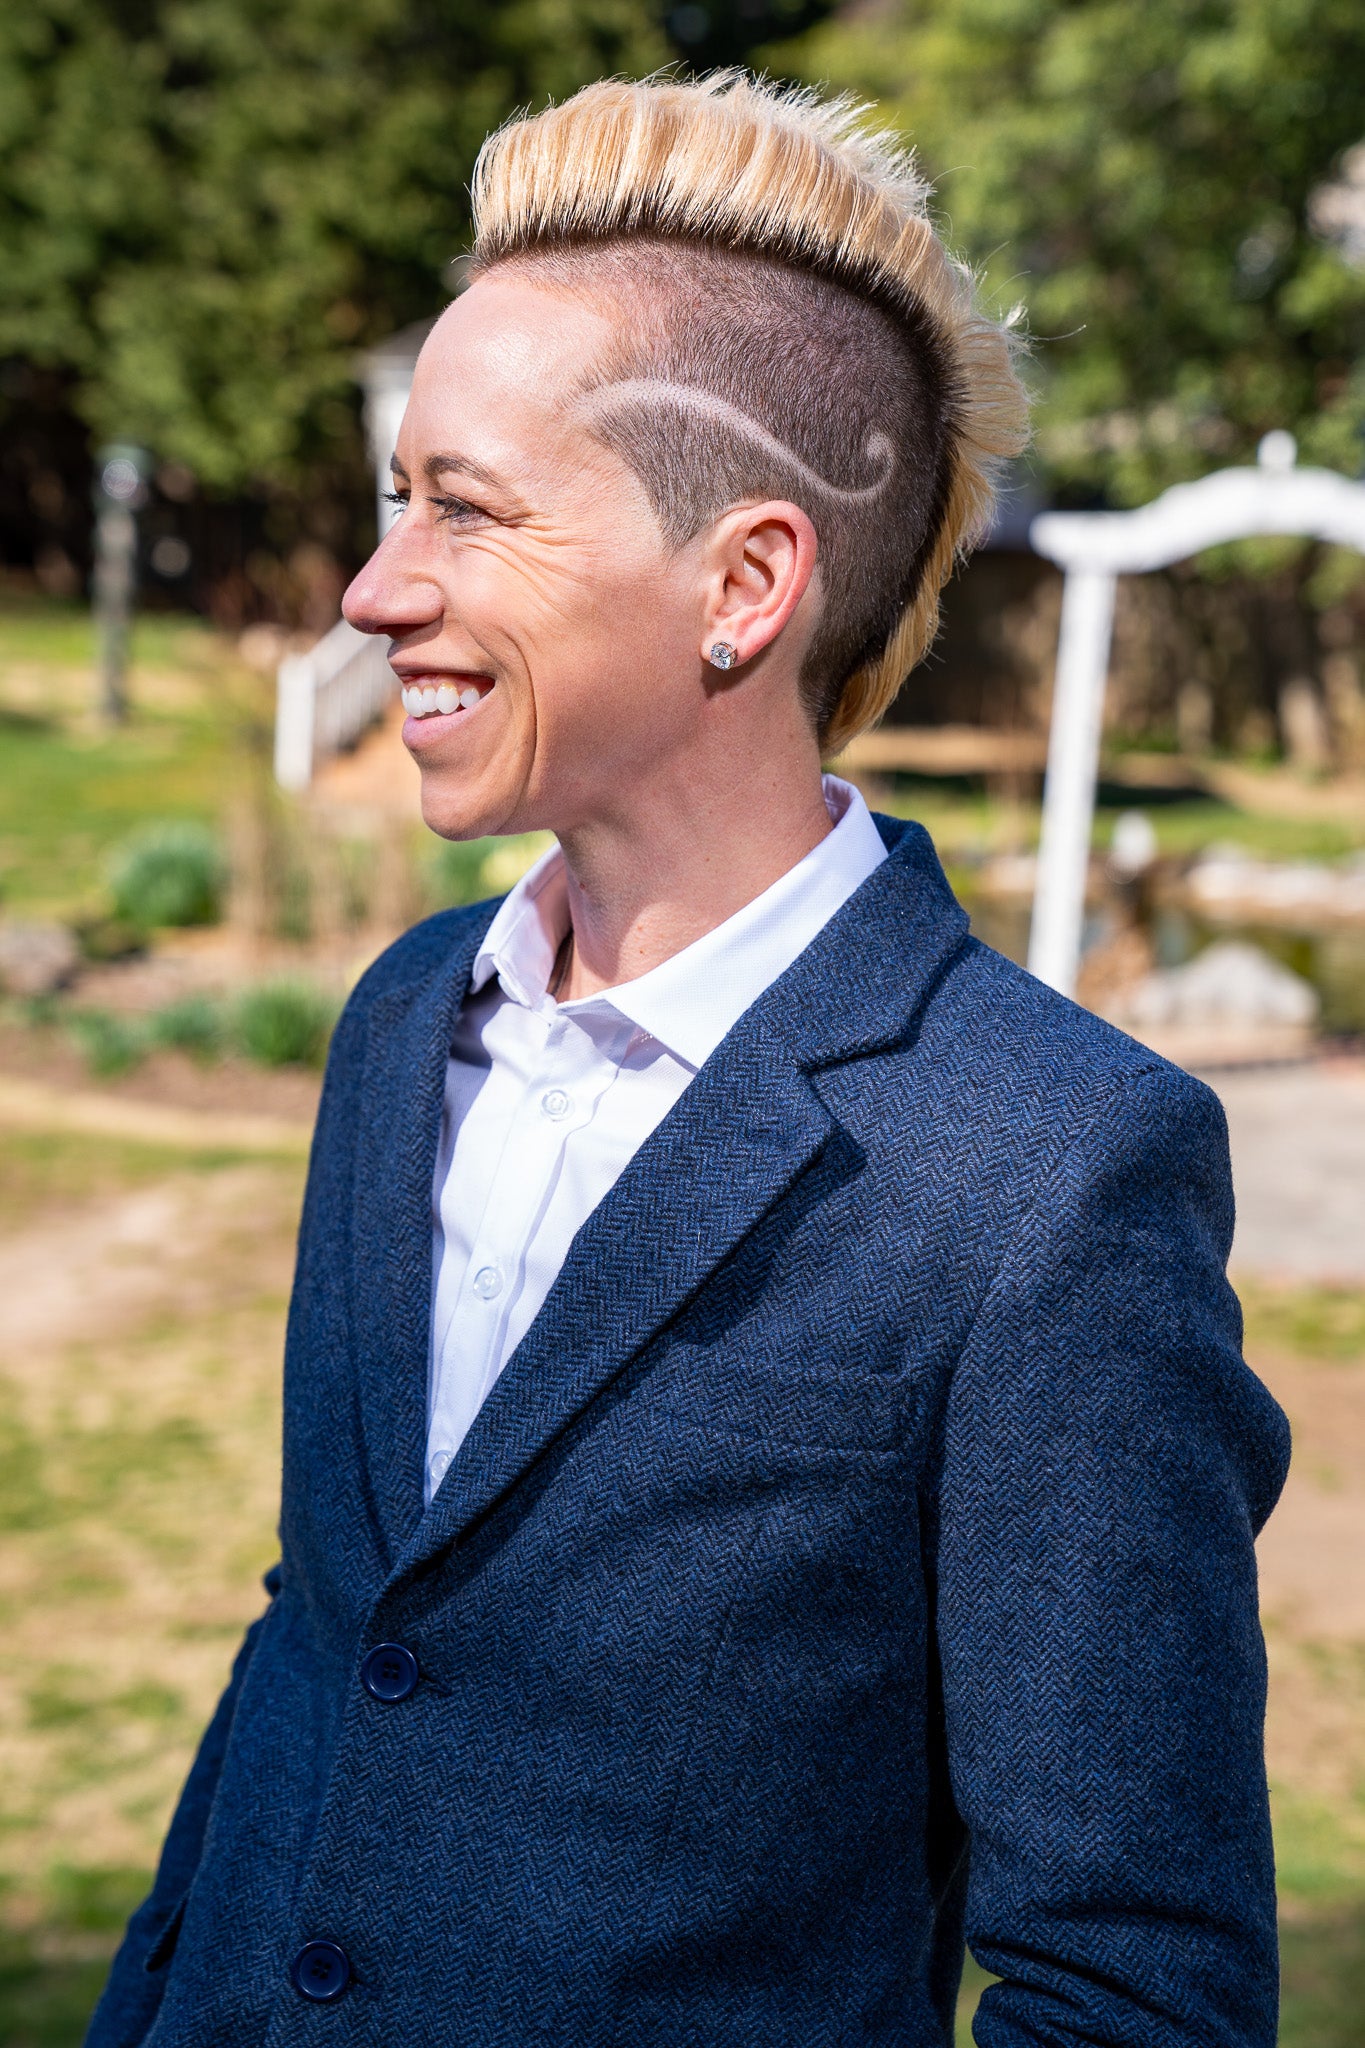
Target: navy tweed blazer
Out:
[855,1554]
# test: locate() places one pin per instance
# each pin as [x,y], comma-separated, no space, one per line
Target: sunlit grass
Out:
[70,790]
[966,824]
[53,1170]
[1311,1322]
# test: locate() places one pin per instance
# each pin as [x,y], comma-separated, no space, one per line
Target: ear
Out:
[762,562]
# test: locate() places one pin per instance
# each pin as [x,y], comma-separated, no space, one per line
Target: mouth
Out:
[436,699]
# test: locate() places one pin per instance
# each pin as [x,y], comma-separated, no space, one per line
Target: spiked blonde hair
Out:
[740,166]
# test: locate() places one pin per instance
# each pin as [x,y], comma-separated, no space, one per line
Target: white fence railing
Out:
[325,699]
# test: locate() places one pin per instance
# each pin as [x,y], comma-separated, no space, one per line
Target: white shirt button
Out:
[488,1283]
[440,1464]
[555,1103]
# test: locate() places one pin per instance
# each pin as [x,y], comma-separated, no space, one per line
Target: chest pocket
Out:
[819,1401]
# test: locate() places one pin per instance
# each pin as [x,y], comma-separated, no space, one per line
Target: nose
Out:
[391,594]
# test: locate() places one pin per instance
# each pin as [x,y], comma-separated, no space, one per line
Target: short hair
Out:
[798,330]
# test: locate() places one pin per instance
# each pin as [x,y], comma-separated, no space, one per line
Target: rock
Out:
[1133,847]
[1228,882]
[1231,984]
[36,959]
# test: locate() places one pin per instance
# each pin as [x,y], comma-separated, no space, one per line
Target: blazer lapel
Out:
[750,1123]
[736,1140]
[408,1044]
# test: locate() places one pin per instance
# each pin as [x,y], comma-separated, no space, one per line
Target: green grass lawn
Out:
[70,790]
[968,825]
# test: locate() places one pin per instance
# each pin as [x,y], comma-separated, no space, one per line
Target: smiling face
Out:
[528,581]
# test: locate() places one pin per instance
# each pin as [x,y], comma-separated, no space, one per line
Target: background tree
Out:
[207,208]
[1144,179]
[1176,194]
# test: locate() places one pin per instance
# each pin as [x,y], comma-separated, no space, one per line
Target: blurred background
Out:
[224,228]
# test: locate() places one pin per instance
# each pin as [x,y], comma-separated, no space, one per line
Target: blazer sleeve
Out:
[132,1993]
[1108,1461]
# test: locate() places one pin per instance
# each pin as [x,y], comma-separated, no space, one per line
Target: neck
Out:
[688,852]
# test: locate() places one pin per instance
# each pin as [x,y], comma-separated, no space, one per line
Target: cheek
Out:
[578,625]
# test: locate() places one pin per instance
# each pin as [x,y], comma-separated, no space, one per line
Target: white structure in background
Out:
[1094,549]
[325,699]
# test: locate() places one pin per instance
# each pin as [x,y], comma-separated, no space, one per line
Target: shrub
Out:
[109,938]
[169,874]
[111,1044]
[456,871]
[470,870]
[194,1024]
[285,1023]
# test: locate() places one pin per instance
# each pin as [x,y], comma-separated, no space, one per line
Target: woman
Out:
[769,1472]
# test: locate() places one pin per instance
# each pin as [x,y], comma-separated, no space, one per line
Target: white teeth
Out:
[420,700]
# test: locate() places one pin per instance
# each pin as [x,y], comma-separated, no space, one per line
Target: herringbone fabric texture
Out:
[857,1550]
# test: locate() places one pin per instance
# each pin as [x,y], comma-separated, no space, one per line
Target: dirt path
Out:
[37,1106]
[1298,1159]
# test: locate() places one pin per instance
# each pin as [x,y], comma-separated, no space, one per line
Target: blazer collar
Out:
[749,1124]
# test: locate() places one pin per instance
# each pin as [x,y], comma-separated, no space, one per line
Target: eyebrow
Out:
[437,466]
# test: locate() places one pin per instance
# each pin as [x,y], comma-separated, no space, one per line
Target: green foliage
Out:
[195,1024]
[102,939]
[206,210]
[169,874]
[279,1023]
[456,870]
[284,1023]
[1144,178]
[471,870]
[112,1045]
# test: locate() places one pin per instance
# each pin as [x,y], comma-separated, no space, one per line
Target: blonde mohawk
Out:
[742,166]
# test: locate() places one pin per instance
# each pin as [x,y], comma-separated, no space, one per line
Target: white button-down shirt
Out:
[546,1103]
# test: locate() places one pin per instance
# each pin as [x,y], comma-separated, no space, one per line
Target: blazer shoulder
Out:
[1013,1039]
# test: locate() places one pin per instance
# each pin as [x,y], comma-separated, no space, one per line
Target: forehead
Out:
[498,372]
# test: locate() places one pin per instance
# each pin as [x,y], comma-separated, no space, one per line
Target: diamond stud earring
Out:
[722,655]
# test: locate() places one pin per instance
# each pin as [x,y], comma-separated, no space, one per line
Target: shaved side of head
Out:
[734,378]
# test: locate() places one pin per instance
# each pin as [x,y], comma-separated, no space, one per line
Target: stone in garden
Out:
[1133,847]
[36,959]
[1231,985]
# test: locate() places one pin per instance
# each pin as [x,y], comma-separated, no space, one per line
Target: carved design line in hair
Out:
[653,391]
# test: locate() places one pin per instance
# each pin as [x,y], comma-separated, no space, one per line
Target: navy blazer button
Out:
[321,1971]
[389,1673]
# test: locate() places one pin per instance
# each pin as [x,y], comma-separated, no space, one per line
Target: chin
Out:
[455,813]
[464,802]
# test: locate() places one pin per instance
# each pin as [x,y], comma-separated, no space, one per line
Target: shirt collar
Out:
[691,1001]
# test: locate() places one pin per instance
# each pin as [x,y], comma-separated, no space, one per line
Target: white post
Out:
[1072,769]
[386,400]
[295,691]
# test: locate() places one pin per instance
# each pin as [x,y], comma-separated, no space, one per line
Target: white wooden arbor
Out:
[1095,549]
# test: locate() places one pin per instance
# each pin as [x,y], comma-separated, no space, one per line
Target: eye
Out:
[458,511]
[398,498]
